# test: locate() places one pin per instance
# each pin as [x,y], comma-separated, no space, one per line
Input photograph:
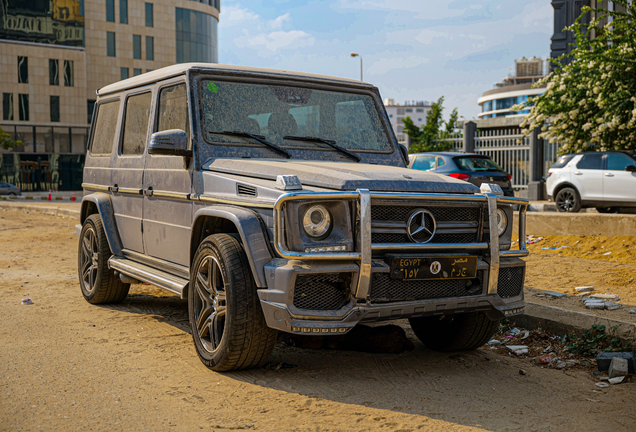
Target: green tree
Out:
[6,141]
[590,103]
[432,135]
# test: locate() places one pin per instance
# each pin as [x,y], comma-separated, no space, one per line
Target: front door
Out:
[167,184]
[128,169]
[588,177]
[619,185]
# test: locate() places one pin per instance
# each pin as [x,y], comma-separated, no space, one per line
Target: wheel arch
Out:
[234,220]
[558,188]
[100,203]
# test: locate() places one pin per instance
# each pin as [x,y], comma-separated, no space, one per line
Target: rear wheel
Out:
[607,209]
[568,200]
[227,322]
[462,332]
[99,283]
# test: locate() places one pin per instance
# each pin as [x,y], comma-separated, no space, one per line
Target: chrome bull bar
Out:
[363,256]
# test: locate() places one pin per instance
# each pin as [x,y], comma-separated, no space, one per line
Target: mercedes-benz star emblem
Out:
[421,226]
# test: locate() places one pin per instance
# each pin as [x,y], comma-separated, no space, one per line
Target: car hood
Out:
[343,175]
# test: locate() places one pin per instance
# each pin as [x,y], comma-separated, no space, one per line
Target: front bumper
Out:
[362,270]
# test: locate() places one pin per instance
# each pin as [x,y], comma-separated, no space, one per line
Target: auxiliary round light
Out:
[502,221]
[317,221]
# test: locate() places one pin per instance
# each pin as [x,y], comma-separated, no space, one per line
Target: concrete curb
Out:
[561,321]
[44,209]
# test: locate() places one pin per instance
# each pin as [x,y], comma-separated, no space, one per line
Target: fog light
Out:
[502,221]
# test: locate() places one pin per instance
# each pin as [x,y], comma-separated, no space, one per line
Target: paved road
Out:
[67,365]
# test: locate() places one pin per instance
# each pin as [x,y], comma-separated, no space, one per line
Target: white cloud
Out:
[235,15]
[533,15]
[275,41]
[277,23]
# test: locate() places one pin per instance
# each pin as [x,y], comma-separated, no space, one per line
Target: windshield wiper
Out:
[257,138]
[330,143]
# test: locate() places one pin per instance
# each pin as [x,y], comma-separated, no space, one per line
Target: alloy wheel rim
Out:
[566,201]
[90,259]
[210,303]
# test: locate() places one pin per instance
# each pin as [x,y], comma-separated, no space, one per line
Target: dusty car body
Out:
[281,201]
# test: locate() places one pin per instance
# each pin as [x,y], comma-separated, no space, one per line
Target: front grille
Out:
[384,289]
[510,282]
[455,224]
[322,291]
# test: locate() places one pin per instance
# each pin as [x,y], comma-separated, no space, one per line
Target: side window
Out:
[591,161]
[136,124]
[440,162]
[105,128]
[173,109]
[618,162]
[424,163]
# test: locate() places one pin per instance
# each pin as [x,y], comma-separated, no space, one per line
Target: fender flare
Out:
[248,224]
[105,208]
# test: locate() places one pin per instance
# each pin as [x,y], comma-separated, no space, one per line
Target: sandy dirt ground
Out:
[67,365]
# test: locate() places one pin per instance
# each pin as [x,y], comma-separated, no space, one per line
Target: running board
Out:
[144,273]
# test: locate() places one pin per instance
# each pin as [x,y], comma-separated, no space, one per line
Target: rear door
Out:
[588,177]
[619,185]
[128,169]
[167,183]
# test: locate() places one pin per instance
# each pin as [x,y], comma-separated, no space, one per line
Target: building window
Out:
[419,110]
[110,10]
[7,106]
[150,48]
[90,107]
[55,108]
[23,102]
[23,70]
[124,73]
[54,72]
[409,110]
[137,47]
[148,70]
[110,44]
[149,18]
[69,73]
[136,72]
[196,36]
[123,11]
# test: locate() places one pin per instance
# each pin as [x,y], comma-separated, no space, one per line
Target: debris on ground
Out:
[594,303]
[612,306]
[604,360]
[553,294]
[605,296]
[553,248]
[633,311]
[618,367]
[522,372]
[494,343]
[518,349]
[27,301]
[602,385]
[584,289]
[616,380]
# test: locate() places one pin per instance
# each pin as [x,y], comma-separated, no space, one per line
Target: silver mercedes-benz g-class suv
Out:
[280,201]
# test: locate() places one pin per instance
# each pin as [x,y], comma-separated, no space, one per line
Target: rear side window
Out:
[592,161]
[562,161]
[136,124]
[440,162]
[173,109]
[105,128]
[424,163]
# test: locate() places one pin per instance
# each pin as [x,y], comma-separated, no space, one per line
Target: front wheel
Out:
[227,322]
[462,332]
[568,200]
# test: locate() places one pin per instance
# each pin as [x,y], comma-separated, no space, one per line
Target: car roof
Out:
[627,152]
[181,69]
[449,154]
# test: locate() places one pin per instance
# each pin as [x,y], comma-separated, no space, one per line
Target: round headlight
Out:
[317,221]
[502,221]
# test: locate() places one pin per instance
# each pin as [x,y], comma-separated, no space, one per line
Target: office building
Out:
[416,110]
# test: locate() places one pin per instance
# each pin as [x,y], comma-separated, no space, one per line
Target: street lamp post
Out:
[358,55]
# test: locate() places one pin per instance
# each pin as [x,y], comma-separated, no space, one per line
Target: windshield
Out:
[476,163]
[279,114]
[563,161]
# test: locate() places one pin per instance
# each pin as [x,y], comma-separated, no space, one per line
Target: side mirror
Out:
[405,153]
[631,168]
[172,142]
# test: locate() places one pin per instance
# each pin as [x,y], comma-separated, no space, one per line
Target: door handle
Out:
[113,188]
[148,192]
[578,173]
[609,175]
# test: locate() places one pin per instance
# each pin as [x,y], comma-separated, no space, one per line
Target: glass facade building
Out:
[196,36]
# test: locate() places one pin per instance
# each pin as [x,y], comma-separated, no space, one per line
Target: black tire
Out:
[568,200]
[226,319]
[462,332]
[607,209]
[98,283]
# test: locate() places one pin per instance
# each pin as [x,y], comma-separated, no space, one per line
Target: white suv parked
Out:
[605,180]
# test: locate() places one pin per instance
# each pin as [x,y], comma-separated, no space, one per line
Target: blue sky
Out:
[412,49]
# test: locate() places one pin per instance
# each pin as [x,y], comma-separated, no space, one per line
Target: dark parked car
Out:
[9,189]
[473,168]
